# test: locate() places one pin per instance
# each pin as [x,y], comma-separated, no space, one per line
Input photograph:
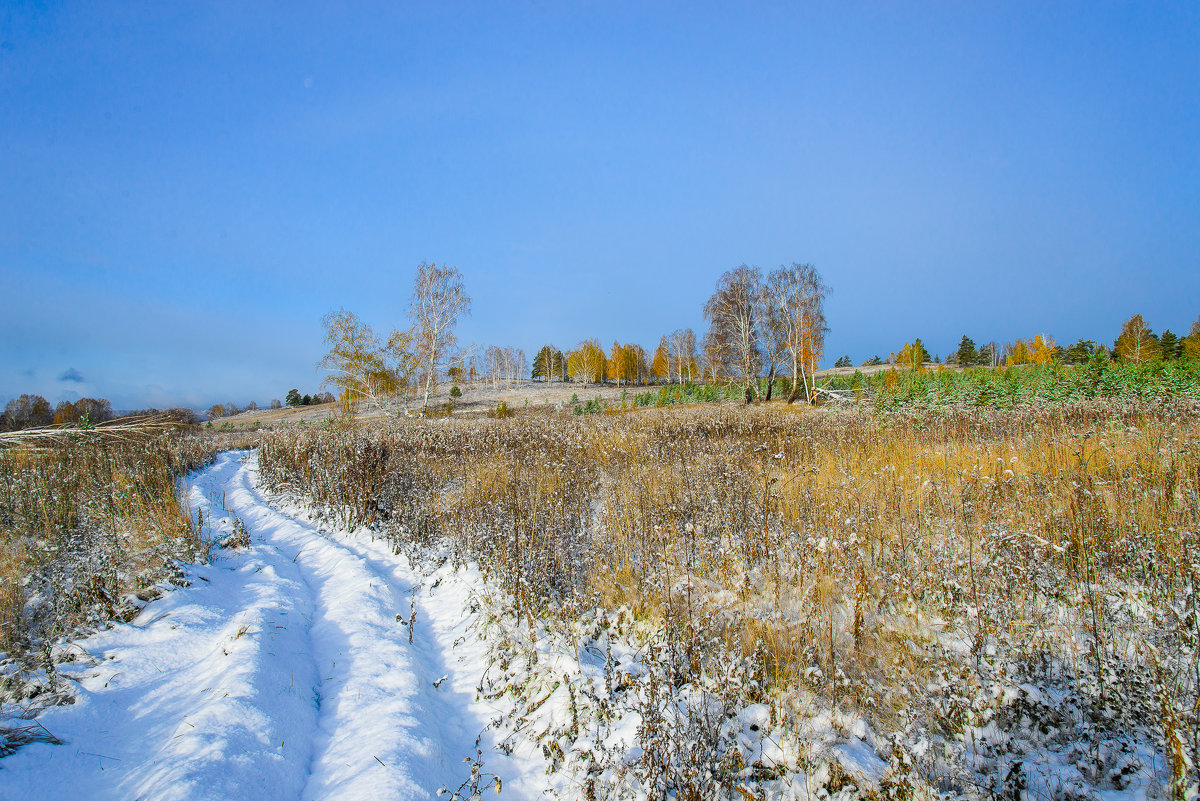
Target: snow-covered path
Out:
[284,671]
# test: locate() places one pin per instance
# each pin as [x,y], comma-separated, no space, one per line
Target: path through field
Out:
[284,671]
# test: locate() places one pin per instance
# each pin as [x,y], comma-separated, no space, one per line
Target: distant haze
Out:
[189,187]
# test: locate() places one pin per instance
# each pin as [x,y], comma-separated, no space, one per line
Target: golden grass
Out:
[860,559]
[87,517]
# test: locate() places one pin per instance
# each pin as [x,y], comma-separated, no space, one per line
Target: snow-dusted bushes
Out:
[87,528]
[962,602]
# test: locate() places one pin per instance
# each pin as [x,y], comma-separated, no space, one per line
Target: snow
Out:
[283,671]
[288,670]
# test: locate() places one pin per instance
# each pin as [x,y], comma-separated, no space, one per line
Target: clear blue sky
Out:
[187,188]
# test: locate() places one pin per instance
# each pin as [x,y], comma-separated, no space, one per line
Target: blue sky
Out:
[189,187]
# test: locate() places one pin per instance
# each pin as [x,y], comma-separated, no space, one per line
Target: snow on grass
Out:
[283,671]
[322,663]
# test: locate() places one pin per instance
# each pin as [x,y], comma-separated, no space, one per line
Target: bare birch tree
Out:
[733,315]
[503,365]
[681,345]
[794,304]
[438,300]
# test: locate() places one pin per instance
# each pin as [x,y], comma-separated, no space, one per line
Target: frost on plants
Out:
[746,603]
[89,530]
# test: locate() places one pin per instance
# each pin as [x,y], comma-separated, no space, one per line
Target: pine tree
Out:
[549,364]
[1170,345]
[1080,352]
[967,353]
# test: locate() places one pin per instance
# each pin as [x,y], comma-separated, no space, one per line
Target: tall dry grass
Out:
[87,519]
[938,574]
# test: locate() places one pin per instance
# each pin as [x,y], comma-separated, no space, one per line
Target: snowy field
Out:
[286,670]
[708,603]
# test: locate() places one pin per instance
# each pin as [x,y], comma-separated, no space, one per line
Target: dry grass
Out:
[918,571]
[123,430]
[86,518]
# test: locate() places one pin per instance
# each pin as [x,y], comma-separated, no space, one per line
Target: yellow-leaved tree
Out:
[1019,354]
[1136,342]
[1043,350]
[361,366]
[586,364]
[627,363]
[913,355]
[618,363]
[660,367]
[1191,343]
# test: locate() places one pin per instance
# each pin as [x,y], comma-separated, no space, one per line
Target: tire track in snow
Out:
[207,694]
[384,729]
[282,672]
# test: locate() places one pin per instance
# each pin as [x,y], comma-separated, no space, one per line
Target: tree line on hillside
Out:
[773,323]
[34,411]
[292,399]
[770,326]
[1136,342]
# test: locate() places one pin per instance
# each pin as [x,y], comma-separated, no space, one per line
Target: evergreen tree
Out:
[1079,353]
[1170,345]
[549,364]
[967,354]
